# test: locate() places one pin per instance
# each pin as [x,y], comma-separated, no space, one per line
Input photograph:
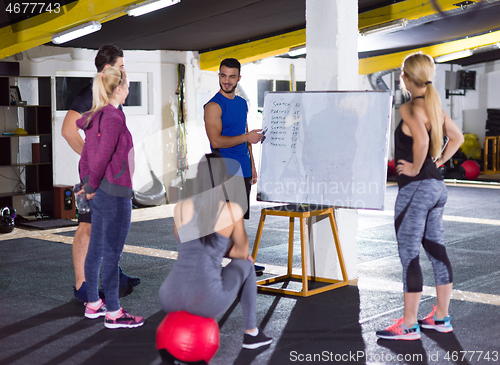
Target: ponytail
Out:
[420,68]
[433,104]
[103,86]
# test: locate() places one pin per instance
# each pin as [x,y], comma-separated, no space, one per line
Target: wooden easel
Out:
[302,213]
[493,168]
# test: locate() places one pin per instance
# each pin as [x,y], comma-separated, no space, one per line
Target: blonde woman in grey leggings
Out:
[422,195]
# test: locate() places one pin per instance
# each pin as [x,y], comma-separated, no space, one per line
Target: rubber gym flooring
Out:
[41,322]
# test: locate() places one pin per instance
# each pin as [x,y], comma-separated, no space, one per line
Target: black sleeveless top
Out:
[403,148]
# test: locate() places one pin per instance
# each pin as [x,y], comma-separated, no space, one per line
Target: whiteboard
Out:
[325,148]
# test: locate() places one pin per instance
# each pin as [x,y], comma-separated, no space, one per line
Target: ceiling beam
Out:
[409,10]
[253,51]
[273,46]
[39,29]
[394,60]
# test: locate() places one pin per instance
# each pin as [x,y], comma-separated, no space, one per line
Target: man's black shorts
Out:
[248,186]
[84,218]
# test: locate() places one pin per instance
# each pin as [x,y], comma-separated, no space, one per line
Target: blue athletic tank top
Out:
[234,122]
[403,149]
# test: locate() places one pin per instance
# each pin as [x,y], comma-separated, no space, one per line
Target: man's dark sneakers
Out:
[81,294]
[259,269]
[126,281]
[254,342]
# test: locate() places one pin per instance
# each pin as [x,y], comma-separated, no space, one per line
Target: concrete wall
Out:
[452,106]
[486,96]
[154,131]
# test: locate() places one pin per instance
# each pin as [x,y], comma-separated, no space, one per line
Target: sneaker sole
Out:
[113,326]
[254,346]
[94,316]
[411,337]
[437,328]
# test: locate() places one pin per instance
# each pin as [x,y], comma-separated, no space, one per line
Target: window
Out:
[67,88]
[264,86]
[134,94]
[282,85]
[69,84]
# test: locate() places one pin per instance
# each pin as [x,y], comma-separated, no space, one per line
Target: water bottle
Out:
[81,200]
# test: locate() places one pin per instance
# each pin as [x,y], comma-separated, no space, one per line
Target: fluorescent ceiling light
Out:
[76,32]
[453,56]
[149,6]
[488,48]
[384,27]
[294,52]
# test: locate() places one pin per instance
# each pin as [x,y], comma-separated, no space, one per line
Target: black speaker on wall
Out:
[466,80]
[64,202]
[9,68]
[45,152]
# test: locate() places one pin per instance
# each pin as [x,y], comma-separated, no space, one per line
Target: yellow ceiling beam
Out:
[409,10]
[394,60]
[273,46]
[253,51]
[39,29]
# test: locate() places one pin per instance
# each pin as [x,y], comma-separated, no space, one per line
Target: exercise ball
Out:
[7,216]
[442,170]
[392,167]
[188,338]
[470,170]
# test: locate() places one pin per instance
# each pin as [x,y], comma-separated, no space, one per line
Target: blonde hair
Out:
[420,69]
[103,87]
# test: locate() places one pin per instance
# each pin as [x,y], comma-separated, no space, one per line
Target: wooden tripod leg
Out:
[259,233]
[303,248]
[290,246]
[494,155]
[337,244]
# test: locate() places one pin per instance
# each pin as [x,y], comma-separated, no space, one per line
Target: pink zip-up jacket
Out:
[107,160]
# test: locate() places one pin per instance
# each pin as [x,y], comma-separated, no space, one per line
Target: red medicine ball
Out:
[470,170]
[188,337]
[392,167]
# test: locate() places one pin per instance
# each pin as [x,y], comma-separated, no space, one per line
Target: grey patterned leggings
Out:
[419,220]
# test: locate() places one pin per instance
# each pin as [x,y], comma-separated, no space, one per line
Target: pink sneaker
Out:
[398,331]
[99,311]
[123,320]
[432,323]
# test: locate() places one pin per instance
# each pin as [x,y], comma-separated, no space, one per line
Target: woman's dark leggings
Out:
[419,221]
[110,226]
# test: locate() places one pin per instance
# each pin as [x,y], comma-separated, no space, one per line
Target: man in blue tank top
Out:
[226,125]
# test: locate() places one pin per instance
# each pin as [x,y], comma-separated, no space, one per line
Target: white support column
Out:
[332,64]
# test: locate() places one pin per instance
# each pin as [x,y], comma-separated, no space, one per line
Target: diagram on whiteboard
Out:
[325,148]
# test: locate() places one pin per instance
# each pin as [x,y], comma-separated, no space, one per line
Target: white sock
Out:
[114,313]
[94,305]
[254,333]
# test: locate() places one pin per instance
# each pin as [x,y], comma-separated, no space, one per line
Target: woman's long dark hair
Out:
[209,179]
